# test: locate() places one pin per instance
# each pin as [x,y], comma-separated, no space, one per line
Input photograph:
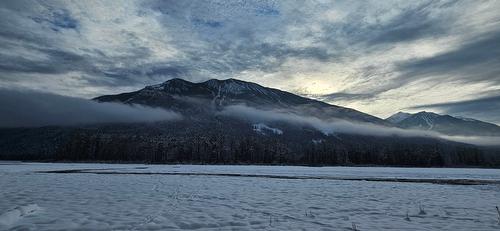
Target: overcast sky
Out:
[378,57]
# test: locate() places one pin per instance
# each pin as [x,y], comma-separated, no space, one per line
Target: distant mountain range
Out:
[445,124]
[291,134]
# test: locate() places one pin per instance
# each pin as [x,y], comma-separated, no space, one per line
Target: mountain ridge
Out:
[206,135]
[232,92]
[446,124]
[211,95]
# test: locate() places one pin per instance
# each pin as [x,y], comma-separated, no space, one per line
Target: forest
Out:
[216,144]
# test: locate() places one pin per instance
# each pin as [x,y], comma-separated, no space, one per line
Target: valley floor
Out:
[51,196]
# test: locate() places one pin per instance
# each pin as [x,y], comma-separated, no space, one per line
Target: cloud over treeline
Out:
[346,127]
[25,108]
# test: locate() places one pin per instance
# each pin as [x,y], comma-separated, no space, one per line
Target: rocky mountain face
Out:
[184,96]
[398,117]
[445,124]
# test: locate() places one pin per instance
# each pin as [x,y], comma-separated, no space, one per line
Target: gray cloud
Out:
[90,47]
[474,61]
[486,108]
[404,33]
[59,61]
[35,109]
[342,96]
[411,24]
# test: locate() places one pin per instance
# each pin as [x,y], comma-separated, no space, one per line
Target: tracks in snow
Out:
[374,179]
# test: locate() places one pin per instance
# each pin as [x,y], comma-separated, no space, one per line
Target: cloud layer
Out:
[377,57]
[36,109]
[345,127]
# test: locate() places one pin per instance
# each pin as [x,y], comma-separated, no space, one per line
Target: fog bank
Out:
[347,127]
[26,108]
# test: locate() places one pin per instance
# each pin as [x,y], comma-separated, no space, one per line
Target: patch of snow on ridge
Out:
[235,87]
[227,86]
[262,128]
[317,141]
[428,120]
[157,87]
[11,217]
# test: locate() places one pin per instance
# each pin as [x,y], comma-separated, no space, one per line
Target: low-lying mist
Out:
[26,108]
[346,127]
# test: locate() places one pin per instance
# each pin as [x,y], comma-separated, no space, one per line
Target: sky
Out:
[379,57]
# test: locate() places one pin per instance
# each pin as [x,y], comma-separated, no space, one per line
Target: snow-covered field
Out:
[178,197]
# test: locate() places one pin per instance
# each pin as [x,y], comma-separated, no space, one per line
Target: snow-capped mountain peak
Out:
[421,120]
[428,119]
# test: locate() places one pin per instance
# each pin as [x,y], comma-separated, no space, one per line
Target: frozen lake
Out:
[44,196]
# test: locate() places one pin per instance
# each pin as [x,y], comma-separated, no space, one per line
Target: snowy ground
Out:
[149,197]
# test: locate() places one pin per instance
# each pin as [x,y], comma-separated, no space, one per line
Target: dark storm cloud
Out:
[414,23]
[471,62]
[474,61]
[209,23]
[401,33]
[58,20]
[174,71]
[156,72]
[486,108]
[35,109]
[18,33]
[420,20]
[58,61]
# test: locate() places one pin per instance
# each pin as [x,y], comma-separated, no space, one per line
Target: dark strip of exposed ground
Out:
[374,179]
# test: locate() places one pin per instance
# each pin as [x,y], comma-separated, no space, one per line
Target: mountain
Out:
[445,124]
[188,97]
[398,117]
[205,134]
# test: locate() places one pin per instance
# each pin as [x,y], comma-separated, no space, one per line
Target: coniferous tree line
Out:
[233,143]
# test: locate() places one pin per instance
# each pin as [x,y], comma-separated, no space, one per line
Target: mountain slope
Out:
[398,117]
[445,124]
[189,97]
[206,135]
